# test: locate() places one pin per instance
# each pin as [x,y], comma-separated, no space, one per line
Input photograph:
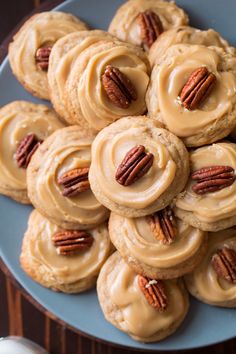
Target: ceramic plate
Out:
[204,325]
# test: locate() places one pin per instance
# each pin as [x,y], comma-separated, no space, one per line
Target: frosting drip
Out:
[211,207]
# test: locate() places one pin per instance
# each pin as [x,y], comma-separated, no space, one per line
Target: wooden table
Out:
[20,314]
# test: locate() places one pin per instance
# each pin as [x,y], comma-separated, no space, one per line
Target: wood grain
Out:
[20,314]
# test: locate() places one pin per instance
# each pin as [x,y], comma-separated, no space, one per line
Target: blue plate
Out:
[204,325]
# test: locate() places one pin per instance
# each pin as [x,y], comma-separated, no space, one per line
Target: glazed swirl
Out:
[204,281]
[41,29]
[86,98]
[109,149]
[65,269]
[169,78]
[142,244]
[216,206]
[17,120]
[67,150]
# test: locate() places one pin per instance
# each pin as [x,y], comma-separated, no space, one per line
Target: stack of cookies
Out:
[135,138]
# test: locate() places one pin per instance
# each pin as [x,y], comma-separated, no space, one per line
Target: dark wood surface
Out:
[19,313]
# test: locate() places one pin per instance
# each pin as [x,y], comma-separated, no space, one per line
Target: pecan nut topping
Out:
[26,148]
[197,88]
[224,263]
[42,57]
[74,181]
[135,165]
[150,27]
[72,241]
[118,87]
[154,291]
[163,225]
[213,178]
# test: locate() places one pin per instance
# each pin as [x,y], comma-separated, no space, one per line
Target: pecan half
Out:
[71,242]
[197,88]
[118,87]
[154,292]
[163,225]
[42,57]
[135,165]
[74,181]
[224,263]
[150,26]
[212,179]
[26,148]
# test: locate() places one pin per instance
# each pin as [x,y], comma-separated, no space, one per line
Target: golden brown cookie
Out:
[137,166]
[209,200]
[214,280]
[30,49]
[23,126]
[192,92]
[128,301]
[63,260]
[158,246]
[141,22]
[57,179]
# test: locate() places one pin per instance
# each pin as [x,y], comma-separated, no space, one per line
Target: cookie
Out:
[126,301]
[209,200]
[57,179]
[63,260]
[192,92]
[214,280]
[159,245]
[108,80]
[62,59]
[141,22]
[186,35]
[31,46]
[137,167]
[23,125]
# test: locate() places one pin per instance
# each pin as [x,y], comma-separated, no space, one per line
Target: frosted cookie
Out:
[63,260]
[141,22]
[108,80]
[192,92]
[57,179]
[146,309]
[159,245]
[186,35]
[62,58]
[214,280]
[137,167]
[31,46]
[23,126]
[209,200]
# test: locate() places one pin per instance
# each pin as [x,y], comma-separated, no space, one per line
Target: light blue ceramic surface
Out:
[204,325]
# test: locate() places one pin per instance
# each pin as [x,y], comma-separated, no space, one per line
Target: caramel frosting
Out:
[17,120]
[91,98]
[65,269]
[169,78]
[70,148]
[62,58]
[215,206]
[125,23]
[142,244]
[137,317]
[109,149]
[204,278]
[42,29]
[188,35]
